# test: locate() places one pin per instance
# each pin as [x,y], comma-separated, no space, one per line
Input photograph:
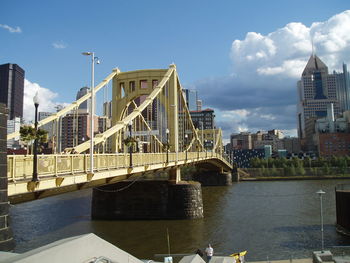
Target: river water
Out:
[270,219]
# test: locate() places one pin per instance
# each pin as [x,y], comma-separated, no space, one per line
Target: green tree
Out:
[255,162]
[28,135]
[342,165]
[274,171]
[326,170]
[300,170]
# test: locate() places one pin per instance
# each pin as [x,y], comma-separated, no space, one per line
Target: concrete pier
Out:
[147,200]
[213,178]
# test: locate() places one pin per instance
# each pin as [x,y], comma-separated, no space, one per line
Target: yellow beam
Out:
[70,107]
[121,124]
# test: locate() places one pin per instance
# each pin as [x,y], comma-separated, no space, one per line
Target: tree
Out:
[326,169]
[28,135]
[300,170]
[274,171]
[255,162]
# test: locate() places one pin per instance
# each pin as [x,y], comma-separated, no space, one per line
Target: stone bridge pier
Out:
[148,199]
[213,178]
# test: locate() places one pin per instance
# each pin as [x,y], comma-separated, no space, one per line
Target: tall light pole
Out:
[186,138]
[130,148]
[320,193]
[92,107]
[35,154]
[202,134]
[167,145]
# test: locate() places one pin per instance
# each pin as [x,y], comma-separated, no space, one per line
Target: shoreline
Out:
[289,178]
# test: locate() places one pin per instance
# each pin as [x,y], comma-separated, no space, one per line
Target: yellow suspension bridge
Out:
[151,130]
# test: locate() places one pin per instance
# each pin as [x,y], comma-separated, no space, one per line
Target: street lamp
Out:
[167,145]
[320,193]
[92,106]
[186,138]
[130,147]
[202,133]
[206,148]
[35,155]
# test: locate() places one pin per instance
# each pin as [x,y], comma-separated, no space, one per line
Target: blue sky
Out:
[46,39]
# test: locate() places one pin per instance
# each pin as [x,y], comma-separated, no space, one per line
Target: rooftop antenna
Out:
[312,46]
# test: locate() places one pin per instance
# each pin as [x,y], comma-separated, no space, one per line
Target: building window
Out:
[132,86]
[122,89]
[154,83]
[143,84]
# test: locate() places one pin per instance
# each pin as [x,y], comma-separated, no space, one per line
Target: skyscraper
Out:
[316,90]
[343,88]
[11,89]
[85,106]
[191,98]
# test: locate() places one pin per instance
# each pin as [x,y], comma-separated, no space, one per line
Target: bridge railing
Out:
[20,167]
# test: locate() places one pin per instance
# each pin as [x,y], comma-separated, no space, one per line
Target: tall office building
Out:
[316,90]
[85,106]
[49,127]
[76,129]
[11,89]
[203,119]
[343,88]
[199,105]
[191,98]
[13,126]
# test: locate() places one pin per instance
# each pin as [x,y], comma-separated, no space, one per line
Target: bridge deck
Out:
[62,173]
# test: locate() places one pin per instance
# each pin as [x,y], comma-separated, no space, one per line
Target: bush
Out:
[300,170]
[274,171]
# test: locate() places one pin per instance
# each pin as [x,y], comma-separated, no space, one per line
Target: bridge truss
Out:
[150,119]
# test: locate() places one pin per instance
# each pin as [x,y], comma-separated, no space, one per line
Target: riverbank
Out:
[288,178]
[279,174]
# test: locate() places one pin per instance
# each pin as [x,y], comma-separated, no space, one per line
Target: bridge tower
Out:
[129,91]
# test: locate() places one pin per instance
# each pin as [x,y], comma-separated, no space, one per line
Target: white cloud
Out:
[59,45]
[290,133]
[46,100]
[285,51]
[261,92]
[235,114]
[11,29]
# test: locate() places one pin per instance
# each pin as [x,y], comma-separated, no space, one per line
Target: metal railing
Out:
[20,167]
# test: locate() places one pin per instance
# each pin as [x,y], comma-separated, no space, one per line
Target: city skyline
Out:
[245,69]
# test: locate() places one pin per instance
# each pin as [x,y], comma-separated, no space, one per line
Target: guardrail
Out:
[20,167]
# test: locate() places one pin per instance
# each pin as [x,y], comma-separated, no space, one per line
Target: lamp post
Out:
[320,193]
[206,148]
[202,134]
[186,138]
[130,147]
[35,154]
[167,145]
[92,106]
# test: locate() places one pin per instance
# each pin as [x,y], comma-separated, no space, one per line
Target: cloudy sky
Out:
[243,58]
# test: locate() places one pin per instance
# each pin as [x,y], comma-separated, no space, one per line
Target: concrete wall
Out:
[147,200]
[342,198]
[6,236]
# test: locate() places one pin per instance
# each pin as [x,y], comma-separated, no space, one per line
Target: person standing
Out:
[209,251]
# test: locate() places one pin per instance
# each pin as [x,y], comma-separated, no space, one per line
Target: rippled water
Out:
[276,219]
